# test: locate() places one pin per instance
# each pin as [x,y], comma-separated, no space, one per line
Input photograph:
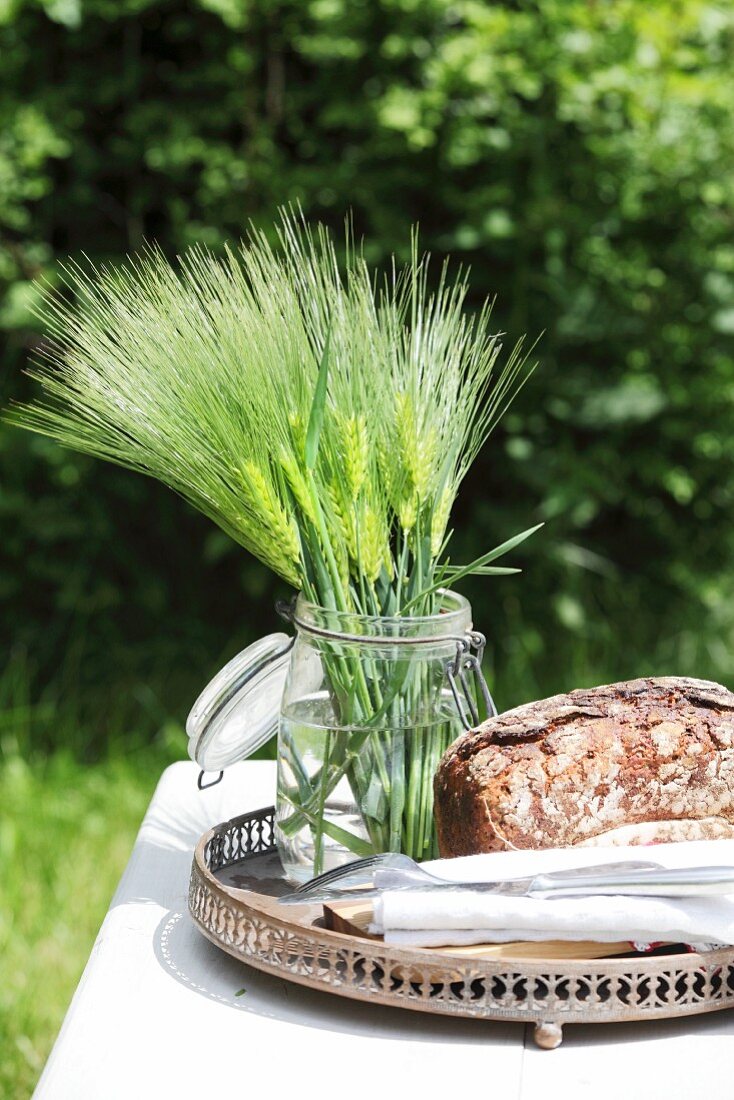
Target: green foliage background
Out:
[579,156]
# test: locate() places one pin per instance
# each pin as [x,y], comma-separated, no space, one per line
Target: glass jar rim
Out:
[452,620]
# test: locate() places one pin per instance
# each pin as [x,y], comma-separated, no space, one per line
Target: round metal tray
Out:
[236,878]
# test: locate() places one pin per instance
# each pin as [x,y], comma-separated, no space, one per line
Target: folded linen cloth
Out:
[462,916]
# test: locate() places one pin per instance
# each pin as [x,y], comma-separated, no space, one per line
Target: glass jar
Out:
[364,708]
[367,712]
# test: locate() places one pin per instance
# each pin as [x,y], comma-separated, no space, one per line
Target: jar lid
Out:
[238,710]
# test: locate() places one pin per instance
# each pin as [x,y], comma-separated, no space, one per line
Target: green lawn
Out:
[66,831]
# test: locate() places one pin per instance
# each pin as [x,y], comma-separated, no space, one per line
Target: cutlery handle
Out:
[665,883]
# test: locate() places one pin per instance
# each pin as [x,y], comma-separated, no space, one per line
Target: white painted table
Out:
[157,1012]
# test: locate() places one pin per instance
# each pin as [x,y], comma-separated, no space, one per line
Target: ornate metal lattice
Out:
[548,993]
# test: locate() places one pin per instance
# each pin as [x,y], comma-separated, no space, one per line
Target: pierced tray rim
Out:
[546,992]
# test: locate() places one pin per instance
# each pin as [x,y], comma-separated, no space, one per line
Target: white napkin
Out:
[453,917]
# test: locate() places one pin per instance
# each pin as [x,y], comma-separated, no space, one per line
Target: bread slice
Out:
[638,762]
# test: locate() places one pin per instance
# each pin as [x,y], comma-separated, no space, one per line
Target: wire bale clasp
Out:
[458,671]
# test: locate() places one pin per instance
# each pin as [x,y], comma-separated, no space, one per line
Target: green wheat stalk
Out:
[324,417]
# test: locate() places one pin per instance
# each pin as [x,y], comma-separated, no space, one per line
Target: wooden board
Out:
[353,918]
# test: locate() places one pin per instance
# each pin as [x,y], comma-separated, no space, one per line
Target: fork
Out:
[357,867]
[388,870]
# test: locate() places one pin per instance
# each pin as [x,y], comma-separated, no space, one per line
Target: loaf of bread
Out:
[639,762]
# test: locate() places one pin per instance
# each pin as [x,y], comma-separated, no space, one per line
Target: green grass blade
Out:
[478,563]
[451,571]
[316,416]
[351,841]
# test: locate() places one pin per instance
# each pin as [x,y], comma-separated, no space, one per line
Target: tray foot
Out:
[548,1035]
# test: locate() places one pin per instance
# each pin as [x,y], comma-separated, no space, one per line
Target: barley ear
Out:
[265,503]
[440,519]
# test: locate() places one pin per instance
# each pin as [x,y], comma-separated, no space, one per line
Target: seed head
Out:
[440,519]
[408,513]
[264,501]
[373,542]
[296,480]
[354,451]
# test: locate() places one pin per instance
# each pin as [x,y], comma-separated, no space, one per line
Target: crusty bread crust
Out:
[638,762]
